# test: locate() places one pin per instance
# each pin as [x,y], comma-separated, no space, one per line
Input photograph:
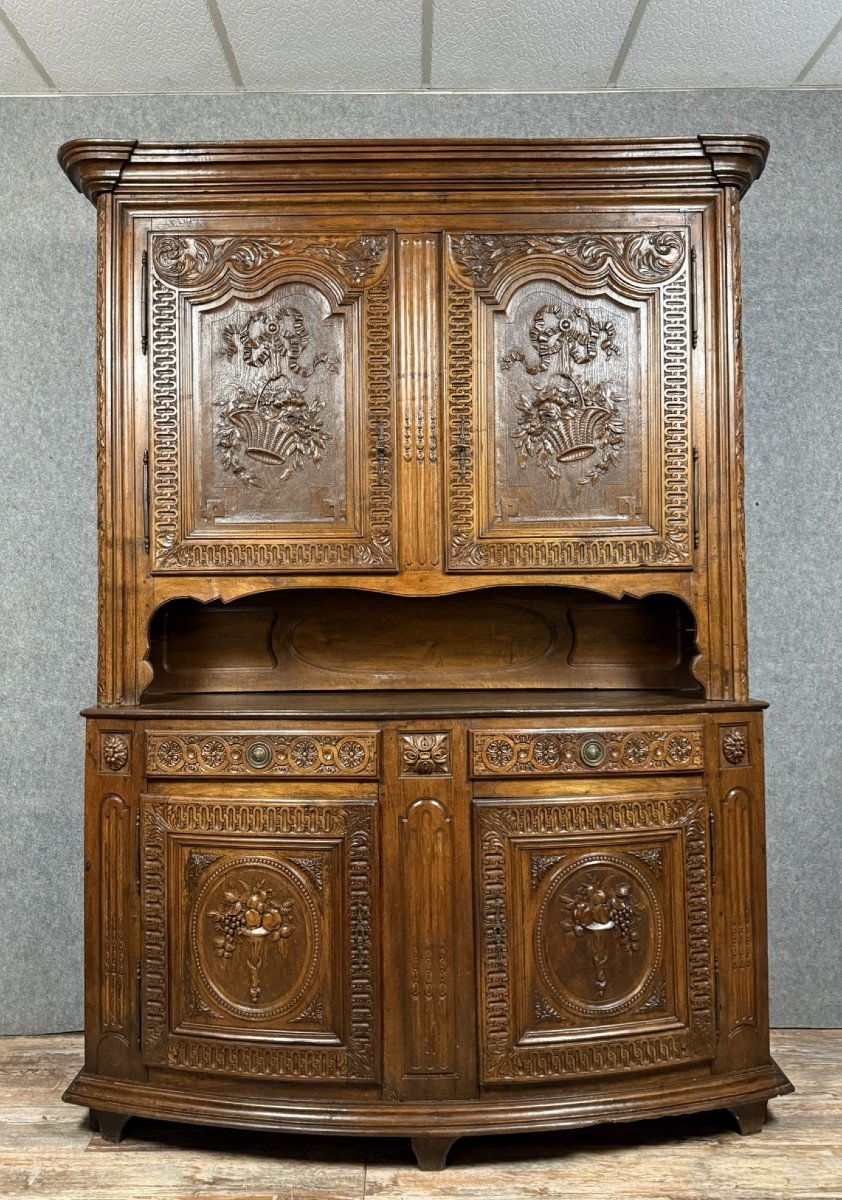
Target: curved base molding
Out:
[744,1095]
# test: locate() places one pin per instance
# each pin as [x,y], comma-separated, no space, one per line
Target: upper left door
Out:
[272,417]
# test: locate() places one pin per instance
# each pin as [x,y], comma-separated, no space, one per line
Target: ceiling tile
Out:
[114,46]
[517,46]
[18,77]
[828,70]
[325,45]
[724,43]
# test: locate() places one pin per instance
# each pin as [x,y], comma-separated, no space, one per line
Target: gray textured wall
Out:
[791,264]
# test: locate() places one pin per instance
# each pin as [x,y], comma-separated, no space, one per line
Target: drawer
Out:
[288,754]
[507,753]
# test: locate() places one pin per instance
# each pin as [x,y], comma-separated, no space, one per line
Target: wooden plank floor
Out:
[46,1149]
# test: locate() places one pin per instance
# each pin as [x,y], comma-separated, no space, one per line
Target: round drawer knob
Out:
[592,752]
[258,754]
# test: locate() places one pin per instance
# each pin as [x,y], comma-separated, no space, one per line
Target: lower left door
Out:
[259,937]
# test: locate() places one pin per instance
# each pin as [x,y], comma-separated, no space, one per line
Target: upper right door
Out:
[567,359]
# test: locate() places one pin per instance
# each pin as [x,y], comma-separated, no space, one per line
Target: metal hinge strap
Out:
[694,327]
[145,486]
[144,303]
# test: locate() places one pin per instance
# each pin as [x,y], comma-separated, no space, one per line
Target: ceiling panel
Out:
[18,77]
[517,46]
[828,69]
[325,45]
[113,46]
[719,43]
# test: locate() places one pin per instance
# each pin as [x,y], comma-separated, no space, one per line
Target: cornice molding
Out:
[664,165]
[94,167]
[736,161]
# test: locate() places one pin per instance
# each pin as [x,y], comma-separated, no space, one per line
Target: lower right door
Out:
[594,933]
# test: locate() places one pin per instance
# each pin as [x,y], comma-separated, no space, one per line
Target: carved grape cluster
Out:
[252,913]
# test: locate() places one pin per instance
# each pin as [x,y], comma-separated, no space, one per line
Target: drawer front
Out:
[340,754]
[499,753]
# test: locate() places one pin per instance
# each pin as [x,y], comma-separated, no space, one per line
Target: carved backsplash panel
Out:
[272,411]
[567,371]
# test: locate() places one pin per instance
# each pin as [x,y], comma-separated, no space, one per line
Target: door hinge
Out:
[712,835]
[716,991]
[144,303]
[695,497]
[137,853]
[460,449]
[694,327]
[145,486]
[138,991]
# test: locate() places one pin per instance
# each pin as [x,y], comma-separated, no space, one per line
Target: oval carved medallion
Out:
[599,935]
[256,939]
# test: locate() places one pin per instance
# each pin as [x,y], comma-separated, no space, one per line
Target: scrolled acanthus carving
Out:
[187,261]
[646,256]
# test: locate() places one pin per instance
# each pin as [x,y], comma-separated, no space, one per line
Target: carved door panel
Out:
[595,935]
[567,362]
[258,941]
[272,422]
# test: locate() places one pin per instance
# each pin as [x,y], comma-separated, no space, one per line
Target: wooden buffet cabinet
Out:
[424,790]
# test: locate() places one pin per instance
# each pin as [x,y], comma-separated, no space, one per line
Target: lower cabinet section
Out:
[595,947]
[508,928]
[259,953]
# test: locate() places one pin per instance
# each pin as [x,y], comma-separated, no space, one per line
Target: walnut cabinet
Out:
[424,789]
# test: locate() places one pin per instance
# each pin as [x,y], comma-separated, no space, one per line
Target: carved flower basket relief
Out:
[272,414]
[565,417]
[254,921]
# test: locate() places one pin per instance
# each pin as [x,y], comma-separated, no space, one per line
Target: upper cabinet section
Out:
[271,401]
[568,391]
